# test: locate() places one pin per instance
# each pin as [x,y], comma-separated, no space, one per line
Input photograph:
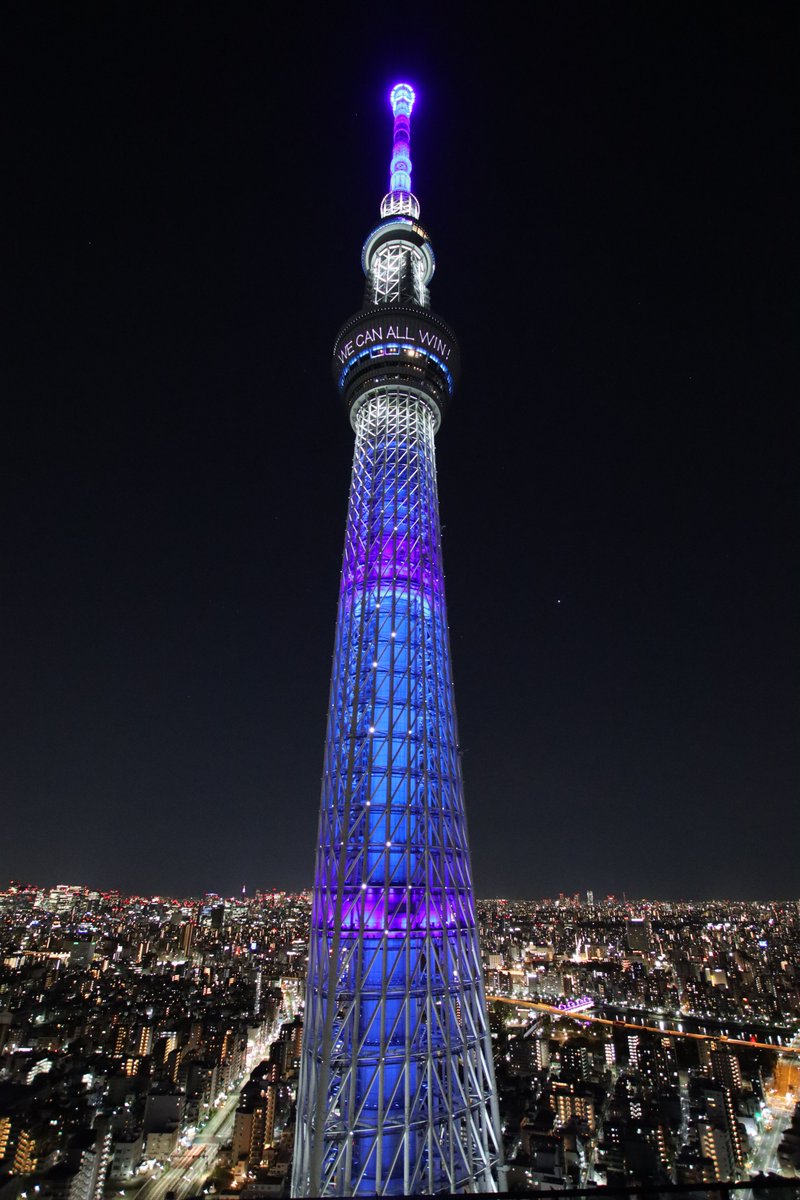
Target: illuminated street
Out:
[192,1165]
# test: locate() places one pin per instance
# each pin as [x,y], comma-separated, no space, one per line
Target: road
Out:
[765,1155]
[678,1033]
[189,1167]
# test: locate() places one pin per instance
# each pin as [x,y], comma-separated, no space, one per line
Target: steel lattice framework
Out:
[396,1093]
[398,273]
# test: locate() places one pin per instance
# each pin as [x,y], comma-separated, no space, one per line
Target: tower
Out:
[396,1092]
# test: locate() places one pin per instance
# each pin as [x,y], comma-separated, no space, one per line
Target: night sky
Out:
[611,191]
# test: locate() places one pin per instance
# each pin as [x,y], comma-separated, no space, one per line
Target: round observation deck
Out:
[393,344]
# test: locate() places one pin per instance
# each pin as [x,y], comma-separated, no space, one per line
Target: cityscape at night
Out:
[152,1045]
[581,405]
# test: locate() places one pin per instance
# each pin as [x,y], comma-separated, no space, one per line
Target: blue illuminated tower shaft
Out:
[396,1091]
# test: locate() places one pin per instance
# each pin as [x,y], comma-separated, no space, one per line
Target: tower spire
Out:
[401,99]
[400,199]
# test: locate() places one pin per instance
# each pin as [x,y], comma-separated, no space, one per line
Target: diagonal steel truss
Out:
[396,1091]
[398,274]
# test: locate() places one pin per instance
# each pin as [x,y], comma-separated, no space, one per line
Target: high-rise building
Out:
[716,1145]
[638,932]
[570,1100]
[93,1158]
[396,1093]
[144,1040]
[5,1134]
[722,1113]
[187,937]
[26,1153]
[787,1076]
[529,1054]
[724,1068]
[657,1066]
[575,1061]
[634,1041]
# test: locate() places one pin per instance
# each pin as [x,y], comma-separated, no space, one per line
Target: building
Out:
[575,1061]
[90,1157]
[144,1040]
[5,1134]
[634,1040]
[163,1108]
[638,932]
[528,1055]
[262,1129]
[396,1091]
[573,1100]
[26,1155]
[787,1077]
[159,1144]
[722,1114]
[724,1068]
[657,1066]
[163,1114]
[289,1045]
[187,937]
[126,1153]
[242,1135]
[202,1086]
[715,1145]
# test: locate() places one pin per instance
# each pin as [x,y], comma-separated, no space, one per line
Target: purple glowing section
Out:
[575,1004]
[394,558]
[402,102]
[393,911]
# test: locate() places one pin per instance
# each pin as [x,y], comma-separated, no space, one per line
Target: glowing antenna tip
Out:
[402,98]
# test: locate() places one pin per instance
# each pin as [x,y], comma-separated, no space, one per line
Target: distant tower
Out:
[396,1092]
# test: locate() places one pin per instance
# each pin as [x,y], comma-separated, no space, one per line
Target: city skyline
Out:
[155,1044]
[578,899]
[611,204]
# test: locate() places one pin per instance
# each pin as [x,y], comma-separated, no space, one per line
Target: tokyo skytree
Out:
[396,1093]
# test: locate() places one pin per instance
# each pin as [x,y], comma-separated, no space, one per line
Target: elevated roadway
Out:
[634,1025]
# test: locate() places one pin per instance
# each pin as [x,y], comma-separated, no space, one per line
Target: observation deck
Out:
[396,344]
